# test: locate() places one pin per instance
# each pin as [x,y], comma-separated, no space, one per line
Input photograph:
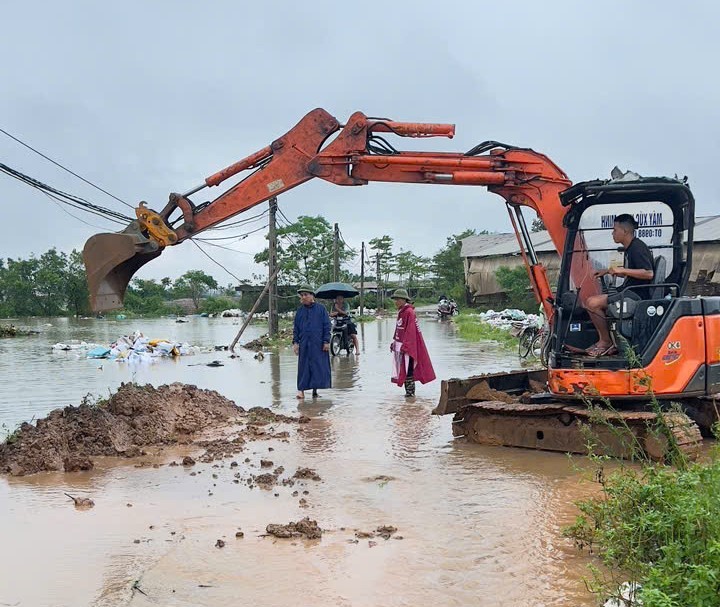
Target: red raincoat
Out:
[408,343]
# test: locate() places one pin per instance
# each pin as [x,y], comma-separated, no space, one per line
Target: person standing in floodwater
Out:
[311,344]
[411,360]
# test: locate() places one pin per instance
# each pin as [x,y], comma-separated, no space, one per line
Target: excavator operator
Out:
[638,270]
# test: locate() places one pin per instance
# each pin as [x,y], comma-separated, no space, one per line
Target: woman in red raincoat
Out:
[411,360]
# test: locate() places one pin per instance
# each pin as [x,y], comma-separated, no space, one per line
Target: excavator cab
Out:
[644,317]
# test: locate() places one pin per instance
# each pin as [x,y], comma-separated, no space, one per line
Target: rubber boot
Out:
[410,387]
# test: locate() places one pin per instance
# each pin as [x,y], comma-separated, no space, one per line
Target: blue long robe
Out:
[311,330]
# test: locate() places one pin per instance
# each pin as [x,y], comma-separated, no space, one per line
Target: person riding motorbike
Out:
[341,309]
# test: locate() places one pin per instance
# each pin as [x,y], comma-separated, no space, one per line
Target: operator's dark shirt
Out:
[638,257]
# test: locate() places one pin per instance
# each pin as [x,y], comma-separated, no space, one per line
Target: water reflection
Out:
[345,371]
[411,433]
[275,377]
[318,436]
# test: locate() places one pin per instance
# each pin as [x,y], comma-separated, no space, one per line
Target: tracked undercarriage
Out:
[512,409]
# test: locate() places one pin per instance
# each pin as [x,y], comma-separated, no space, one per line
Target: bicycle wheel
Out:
[335,342]
[350,345]
[525,342]
[537,346]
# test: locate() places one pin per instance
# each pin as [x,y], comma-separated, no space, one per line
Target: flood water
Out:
[480,525]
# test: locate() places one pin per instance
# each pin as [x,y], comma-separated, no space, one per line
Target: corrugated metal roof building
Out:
[485,253]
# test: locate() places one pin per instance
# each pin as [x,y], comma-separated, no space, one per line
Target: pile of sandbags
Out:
[135,348]
[510,318]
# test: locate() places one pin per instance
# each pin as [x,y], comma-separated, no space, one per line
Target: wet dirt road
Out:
[479,525]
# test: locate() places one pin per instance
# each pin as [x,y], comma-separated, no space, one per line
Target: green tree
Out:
[194,284]
[410,267]
[383,246]
[147,297]
[50,282]
[538,225]
[516,284]
[19,287]
[448,265]
[305,251]
[215,305]
[77,297]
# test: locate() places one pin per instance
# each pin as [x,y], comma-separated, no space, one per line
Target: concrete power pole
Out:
[362,279]
[336,254]
[380,293]
[273,325]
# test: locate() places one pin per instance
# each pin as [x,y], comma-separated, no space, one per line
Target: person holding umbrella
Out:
[411,360]
[341,309]
[311,344]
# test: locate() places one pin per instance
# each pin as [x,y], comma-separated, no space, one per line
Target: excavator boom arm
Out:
[356,156]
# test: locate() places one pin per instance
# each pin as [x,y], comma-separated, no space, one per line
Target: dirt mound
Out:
[259,416]
[135,416]
[305,527]
[266,342]
[483,392]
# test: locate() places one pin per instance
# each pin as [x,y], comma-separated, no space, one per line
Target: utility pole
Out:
[380,294]
[272,267]
[362,278]
[336,253]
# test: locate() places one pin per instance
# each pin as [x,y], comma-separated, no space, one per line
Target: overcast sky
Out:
[147,98]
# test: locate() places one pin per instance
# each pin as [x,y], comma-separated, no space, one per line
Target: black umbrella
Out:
[330,290]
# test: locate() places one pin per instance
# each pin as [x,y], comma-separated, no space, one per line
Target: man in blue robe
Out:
[311,343]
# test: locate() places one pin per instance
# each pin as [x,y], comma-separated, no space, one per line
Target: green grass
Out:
[658,526]
[472,328]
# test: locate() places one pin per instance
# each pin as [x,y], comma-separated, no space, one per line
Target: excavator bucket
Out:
[111,260]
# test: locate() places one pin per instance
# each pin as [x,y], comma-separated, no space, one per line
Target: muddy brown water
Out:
[479,525]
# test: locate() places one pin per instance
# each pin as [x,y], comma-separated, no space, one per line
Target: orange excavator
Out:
[668,344]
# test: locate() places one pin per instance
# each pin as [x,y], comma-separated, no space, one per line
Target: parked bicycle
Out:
[533,342]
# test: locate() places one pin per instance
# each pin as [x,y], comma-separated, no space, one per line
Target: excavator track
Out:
[572,429]
[510,409]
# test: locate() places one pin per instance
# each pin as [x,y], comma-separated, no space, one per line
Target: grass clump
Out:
[473,328]
[658,527]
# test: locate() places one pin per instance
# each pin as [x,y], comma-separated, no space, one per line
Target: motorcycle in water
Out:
[446,309]
[341,339]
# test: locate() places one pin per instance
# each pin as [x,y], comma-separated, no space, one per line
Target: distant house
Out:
[485,253]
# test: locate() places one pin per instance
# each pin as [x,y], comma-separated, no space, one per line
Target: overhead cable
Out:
[65,168]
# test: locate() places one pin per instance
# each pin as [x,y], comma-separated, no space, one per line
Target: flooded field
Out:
[475,525]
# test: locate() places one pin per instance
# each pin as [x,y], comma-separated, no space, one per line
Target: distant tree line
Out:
[54,283]
[306,255]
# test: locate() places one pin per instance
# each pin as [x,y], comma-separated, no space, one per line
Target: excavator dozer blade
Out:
[111,260]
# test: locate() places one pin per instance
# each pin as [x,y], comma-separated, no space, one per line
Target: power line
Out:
[219,246]
[65,168]
[238,236]
[214,261]
[284,216]
[64,210]
[64,197]
[233,224]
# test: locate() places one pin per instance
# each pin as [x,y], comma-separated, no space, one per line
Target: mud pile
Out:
[266,342]
[483,392]
[135,416]
[303,528]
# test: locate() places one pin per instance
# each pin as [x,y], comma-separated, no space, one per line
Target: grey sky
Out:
[146,98]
